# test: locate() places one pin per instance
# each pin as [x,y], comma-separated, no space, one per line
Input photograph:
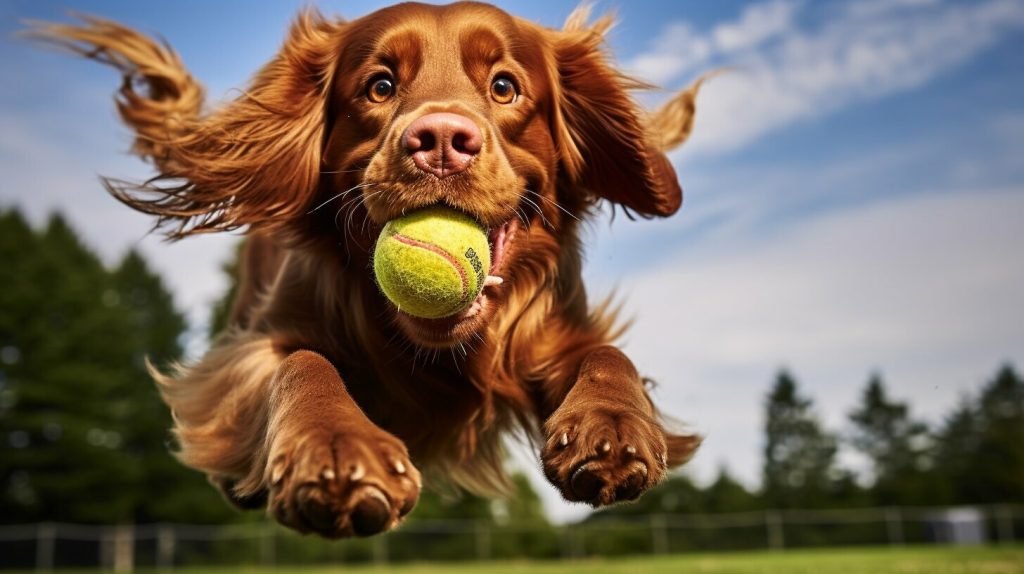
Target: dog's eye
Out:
[380,89]
[503,90]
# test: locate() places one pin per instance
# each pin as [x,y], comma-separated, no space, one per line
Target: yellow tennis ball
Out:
[432,263]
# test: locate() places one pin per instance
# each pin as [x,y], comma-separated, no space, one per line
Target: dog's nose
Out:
[442,144]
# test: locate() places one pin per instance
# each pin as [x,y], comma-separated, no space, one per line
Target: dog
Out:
[322,401]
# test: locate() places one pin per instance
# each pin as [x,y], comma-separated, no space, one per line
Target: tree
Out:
[896,445]
[63,442]
[999,460]
[799,455]
[980,449]
[84,431]
[956,446]
[185,496]
[725,494]
[221,310]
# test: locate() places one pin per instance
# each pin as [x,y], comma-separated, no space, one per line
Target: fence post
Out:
[1004,523]
[566,541]
[124,549]
[659,534]
[380,549]
[894,526]
[482,532]
[776,537]
[268,545]
[46,538]
[165,543]
[574,537]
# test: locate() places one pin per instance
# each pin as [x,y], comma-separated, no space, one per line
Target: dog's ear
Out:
[601,136]
[256,160]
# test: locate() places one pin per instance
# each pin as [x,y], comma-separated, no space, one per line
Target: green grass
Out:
[923,560]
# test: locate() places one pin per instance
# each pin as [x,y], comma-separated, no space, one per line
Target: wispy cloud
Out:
[919,287]
[786,71]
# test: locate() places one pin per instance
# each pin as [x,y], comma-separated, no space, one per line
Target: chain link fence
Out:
[121,548]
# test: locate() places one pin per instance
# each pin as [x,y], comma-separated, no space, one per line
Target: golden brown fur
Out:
[321,398]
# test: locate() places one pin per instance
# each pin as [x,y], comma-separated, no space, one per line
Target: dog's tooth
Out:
[606,446]
[399,467]
[327,474]
[492,280]
[564,441]
[357,472]
[631,450]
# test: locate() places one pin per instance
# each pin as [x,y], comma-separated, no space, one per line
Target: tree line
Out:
[84,435]
[975,455]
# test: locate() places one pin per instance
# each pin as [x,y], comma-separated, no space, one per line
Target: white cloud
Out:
[855,55]
[677,50]
[757,24]
[52,165]
[924,288]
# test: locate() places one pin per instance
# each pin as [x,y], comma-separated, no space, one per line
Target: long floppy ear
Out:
[600,133]
[257,160]
[254,161]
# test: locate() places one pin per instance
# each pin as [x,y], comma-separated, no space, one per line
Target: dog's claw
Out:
[357,473]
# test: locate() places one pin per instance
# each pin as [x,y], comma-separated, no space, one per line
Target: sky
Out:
[854,193]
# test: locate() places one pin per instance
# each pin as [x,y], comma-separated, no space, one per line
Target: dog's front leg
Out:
[604,443]
[329,469]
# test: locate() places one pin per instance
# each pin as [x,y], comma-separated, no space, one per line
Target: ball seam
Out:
[439,251]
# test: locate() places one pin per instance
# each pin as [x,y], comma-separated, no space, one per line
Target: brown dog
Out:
[322,399]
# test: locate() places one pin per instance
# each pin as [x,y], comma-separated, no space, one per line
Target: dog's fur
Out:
[321,397]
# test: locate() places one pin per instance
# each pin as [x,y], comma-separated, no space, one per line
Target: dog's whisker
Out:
[539,211]
[336,171]
[554,203]
[342,194]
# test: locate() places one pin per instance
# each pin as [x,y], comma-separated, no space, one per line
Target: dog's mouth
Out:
[447,331]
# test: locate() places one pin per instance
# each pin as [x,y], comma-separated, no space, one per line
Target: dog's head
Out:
[356,123]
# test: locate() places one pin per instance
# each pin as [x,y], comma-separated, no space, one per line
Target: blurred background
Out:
[838,308]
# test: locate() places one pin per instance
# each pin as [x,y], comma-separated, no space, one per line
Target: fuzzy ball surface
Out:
[432,263]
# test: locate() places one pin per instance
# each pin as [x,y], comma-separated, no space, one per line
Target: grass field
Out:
[995,560]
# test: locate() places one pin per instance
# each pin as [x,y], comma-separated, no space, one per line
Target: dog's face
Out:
[445,105]
[355,123]
[467,106]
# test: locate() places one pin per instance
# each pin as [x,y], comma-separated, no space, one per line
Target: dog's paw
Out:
[603,455]
[340,484]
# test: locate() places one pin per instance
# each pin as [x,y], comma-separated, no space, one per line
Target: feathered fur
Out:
[311,170]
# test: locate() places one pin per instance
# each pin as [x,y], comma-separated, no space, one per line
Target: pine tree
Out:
[221,310]
[980,449]
[83,432]
[166,490]
[956,447]
[799,455]
[725,494]
[62,457]
[999,461]
[896,445]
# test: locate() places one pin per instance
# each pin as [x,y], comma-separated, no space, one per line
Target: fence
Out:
[48,546]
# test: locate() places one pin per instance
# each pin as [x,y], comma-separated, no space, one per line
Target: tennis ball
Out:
[432,263]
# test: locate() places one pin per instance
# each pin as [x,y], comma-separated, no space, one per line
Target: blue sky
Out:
[854,190]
